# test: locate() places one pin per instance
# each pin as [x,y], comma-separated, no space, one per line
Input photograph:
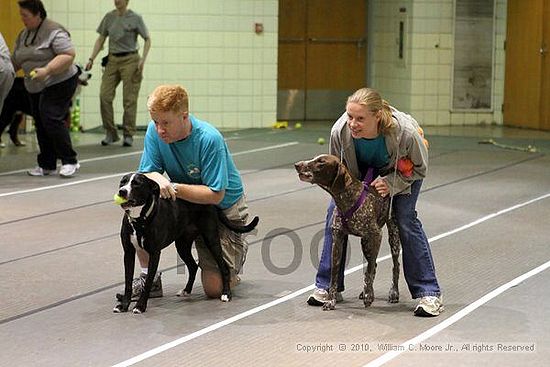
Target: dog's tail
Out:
[235,227]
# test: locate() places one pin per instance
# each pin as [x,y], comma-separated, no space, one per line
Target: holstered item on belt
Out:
[123,54]
[104,60]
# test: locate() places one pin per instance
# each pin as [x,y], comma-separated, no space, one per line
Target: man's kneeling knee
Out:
[212,282]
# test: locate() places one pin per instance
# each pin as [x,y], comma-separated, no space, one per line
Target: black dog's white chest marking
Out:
[134,213]
[137,240]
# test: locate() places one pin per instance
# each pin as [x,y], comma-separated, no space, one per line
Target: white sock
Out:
[144,270]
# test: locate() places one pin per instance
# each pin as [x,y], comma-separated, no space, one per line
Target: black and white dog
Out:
[152,223]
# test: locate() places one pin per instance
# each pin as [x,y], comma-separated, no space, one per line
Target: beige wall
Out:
[209,46]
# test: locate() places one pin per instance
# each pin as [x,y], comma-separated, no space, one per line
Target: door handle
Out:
[291,40]
[360,42]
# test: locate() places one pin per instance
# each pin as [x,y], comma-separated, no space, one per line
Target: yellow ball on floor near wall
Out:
[321,141]
[280,125]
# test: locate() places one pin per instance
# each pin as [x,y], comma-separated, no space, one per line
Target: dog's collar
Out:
[150,210]
[146,215]
[346,216]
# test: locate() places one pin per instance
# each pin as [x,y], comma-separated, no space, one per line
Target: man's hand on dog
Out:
[381,186]
[167,190]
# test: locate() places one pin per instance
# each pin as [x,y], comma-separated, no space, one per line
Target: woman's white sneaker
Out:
[68,170]
[39,171]
[429,306]
[320,296]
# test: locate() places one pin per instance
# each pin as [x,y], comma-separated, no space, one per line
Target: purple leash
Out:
[345,217]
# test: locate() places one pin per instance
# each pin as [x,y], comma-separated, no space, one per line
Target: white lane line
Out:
[266,148]
[42,188]
[457,316]
[71,183]
[299,292]
[210,328]
[245,136]
[103,157]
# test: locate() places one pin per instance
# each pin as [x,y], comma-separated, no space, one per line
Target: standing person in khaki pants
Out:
[122,26]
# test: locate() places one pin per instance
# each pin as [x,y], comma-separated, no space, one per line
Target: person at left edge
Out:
[45,53]
[7,76]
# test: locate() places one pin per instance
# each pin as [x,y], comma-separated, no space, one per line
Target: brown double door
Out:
[527,73]
[10,21]
[321,57]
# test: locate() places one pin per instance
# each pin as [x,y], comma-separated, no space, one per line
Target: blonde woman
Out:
[371,133]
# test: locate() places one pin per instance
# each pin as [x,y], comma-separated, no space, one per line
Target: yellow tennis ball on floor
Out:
[321,141]
[297,125]
[119,200]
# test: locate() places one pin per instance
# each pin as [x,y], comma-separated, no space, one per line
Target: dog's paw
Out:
[368,298]
[393,296]
[119,308]
[367,303]
[225,297]
[139,308]
[368,295]
[329,305]
[183,293]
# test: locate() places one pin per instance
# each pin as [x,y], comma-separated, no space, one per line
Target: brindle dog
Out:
[366,221]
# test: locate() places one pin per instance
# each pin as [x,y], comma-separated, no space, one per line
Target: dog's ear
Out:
[340,179]
[124,180]
[348,176]
[155,188]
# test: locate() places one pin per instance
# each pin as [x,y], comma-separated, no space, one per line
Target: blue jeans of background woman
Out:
[418,264]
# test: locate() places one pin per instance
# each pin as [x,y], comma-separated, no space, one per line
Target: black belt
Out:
[122,54]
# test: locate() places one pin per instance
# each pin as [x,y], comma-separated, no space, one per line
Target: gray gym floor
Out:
[484,207]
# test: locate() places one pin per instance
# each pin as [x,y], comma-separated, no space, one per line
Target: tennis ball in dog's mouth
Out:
[119,200]
[321,141]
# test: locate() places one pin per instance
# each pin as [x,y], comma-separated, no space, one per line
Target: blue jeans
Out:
[418,265]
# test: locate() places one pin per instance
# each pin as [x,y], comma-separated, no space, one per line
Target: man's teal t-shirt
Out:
[371,153]
[201,158]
